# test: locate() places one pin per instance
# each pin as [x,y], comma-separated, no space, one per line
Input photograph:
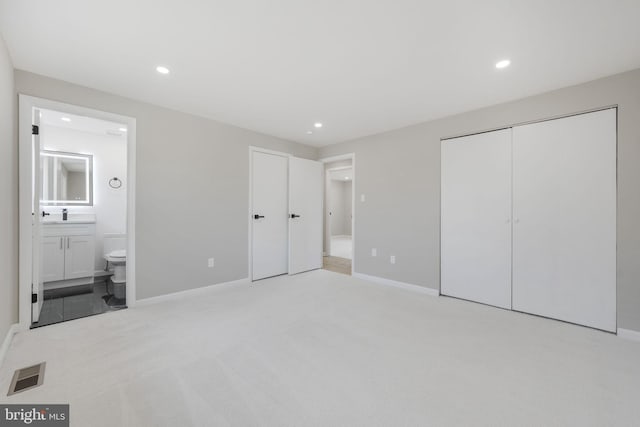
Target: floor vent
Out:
[27,378]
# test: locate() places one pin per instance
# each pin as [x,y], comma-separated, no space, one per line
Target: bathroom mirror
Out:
[67,178]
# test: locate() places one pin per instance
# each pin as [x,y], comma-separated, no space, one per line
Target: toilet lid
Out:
[120,253]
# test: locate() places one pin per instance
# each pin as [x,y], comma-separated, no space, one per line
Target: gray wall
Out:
[348,192]
[401,214]
[339,198]
[192,188]
[8,197]
[337,207]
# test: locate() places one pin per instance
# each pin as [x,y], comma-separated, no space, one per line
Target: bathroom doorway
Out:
[339,215]
[76,212]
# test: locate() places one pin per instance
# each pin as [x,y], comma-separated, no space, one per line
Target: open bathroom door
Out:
[305,214]
[37,287]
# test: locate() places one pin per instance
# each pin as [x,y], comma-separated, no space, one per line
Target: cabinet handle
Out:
[61,243]
[67,243]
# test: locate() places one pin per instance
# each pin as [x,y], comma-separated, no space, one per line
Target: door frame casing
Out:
[254,149]
[26,104]
[352,157]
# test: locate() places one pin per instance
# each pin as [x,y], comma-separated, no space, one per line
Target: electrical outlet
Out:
[211,263]
[392,259]
[362,197]
[374,252]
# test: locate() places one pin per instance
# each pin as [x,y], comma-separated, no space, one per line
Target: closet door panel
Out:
[475,218]
[564,210]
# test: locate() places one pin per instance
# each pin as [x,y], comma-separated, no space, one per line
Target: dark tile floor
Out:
[65,304]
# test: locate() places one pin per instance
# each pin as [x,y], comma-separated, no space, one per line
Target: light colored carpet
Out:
[325,349]
[341,246]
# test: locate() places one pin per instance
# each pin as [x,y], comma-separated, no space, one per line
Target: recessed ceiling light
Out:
[503,64]
[317,125]
[122,129]
[309,132]
[65,119]
[162,70]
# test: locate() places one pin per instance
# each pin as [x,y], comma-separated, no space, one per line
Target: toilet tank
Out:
[114,242]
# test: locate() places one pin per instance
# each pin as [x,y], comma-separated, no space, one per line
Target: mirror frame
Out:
[88,158]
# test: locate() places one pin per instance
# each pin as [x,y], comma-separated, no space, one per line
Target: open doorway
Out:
[338,219]
[76,212]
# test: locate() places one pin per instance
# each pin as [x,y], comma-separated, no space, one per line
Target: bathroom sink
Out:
[69,221]
[73,219]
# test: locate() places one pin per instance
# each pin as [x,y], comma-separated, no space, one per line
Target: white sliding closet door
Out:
[270,220]
[476,212]
[564,241]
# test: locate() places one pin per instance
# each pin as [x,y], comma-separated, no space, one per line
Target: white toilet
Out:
[115,252]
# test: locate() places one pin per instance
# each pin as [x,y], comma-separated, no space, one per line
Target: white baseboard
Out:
[7,341]
[396,284]
[629,334]
[174,295]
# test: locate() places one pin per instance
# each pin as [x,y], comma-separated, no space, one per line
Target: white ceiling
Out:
[342,174]
[358,66]
[81,123]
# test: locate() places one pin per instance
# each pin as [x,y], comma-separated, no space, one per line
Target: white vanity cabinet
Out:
[52,254]
[67,252]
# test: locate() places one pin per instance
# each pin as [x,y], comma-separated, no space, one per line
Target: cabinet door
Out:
[79,257]
[52,258]
[564,241]
[476,213]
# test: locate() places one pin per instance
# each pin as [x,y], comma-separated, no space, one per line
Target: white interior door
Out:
[37,287]
[475,218]
[270,215]
[564,241]
[305,219]
[328,213]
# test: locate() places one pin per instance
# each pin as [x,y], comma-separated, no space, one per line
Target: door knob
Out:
[45,214]
[256,216]
[295,216]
